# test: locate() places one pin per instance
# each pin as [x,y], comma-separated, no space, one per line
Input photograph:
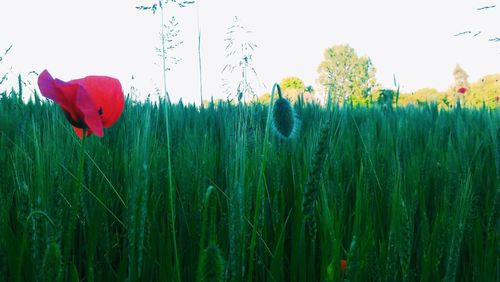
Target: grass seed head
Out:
[212,265]
[52,263]
[313,182]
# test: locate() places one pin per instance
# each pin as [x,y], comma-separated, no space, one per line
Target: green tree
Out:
[345,73]
[309,94]
[292,82]
[292,88]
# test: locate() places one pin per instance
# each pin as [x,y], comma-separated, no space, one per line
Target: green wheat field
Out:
[401,194]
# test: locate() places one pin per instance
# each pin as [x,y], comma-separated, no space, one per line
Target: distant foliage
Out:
[292,82]
[386,97]
[295,89]
[461,78]
[346,74]
[483,93]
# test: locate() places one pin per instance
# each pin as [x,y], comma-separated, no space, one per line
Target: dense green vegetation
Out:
[484,92]
[403,194]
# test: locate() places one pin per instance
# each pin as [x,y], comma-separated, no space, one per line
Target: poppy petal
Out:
[67,98]
[50,89]
[90,115]
[107,94]
[47,88]
[60,92]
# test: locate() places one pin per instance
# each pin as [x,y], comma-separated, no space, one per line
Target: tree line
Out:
[349,78]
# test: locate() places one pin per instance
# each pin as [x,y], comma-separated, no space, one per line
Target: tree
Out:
[309,95]
[292,88]
[292,82]
[345,73]
[461,77]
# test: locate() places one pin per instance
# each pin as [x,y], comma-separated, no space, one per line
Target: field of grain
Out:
[402,194]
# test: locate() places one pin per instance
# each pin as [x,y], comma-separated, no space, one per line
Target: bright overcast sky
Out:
[412,40]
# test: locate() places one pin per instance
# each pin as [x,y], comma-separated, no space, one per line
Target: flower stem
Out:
[77,193]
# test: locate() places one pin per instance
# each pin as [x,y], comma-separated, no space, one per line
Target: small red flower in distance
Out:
[343,265]
[91,103]
[496,98]
[462,90]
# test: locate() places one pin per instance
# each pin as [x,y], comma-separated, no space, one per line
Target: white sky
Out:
[412,40]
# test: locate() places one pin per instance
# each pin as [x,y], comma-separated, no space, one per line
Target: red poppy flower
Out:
[496,98]
[462,90]
[343,265]
[91,103]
